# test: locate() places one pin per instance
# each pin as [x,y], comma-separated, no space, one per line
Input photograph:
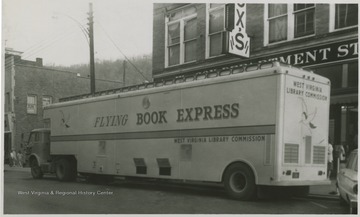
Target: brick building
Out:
[190,39]
[28,87]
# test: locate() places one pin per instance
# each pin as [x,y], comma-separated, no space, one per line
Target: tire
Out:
[65,170]
[36,171]
[239,182]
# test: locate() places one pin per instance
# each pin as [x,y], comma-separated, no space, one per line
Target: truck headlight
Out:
[355,189]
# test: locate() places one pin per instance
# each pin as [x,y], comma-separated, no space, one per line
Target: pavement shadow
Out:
[176,188]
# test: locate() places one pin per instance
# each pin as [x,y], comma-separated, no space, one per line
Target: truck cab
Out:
[38,151]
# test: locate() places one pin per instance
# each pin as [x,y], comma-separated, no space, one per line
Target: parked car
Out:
[347,181]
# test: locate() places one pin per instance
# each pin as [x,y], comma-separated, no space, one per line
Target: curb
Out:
[18,169]
[309,196]
[323,197]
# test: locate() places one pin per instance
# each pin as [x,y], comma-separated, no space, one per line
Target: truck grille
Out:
[319,155]
[291,153]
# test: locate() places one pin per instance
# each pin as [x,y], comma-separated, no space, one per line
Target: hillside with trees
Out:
[137,70]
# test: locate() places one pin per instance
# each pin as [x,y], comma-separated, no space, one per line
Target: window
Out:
[46,100]
[32,104]
[304,19]
[353,75]
[277,22]
[216,28]
[181,36]
[284,22]
[333,72]
[174,43]
[37,137]
[34,138]
[341,75]
[346,15]
[190,34]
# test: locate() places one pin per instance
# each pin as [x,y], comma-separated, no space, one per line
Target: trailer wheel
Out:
[65,170]
[239,182]
[36,171]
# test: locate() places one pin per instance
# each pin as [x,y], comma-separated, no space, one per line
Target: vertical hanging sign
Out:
[238,40]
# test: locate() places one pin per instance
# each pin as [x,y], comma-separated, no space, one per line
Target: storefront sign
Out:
[238,40]
[316,55]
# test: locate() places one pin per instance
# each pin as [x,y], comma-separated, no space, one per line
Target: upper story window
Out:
[32,104]
[215,29]
[46,100]
[346,15]
[304,19]
[278,22]
[181,40]
[284,22]
[343,16]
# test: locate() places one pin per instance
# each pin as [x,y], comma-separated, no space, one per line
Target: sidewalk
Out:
[17,168]
[324,191]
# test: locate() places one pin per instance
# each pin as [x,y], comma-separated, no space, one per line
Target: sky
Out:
[54,29]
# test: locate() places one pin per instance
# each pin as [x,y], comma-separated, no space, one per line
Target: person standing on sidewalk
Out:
[330,165]
[20,158]
[13,159]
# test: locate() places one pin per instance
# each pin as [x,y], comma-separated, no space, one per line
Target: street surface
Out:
[25,195]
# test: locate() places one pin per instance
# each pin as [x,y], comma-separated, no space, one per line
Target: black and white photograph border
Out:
[180,108]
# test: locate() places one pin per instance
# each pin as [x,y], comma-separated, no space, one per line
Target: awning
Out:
[344,99]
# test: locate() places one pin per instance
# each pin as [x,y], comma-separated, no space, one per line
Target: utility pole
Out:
[124,66]
[92,59]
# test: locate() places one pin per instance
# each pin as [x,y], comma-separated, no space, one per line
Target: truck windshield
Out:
[34,137]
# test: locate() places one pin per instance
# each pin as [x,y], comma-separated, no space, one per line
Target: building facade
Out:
[193,39]
[28,87]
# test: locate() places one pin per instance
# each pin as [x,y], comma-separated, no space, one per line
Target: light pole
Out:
[92,61]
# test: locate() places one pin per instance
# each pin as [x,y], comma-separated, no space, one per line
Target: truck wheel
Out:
[239,182]
[65,170]
[36,170]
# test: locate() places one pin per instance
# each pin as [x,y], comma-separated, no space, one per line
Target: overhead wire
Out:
[46,40]
[44,44]
[117,47]
[48,44]
[34,49]
[42,47]
[82,28]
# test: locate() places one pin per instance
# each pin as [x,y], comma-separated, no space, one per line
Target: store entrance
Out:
[343,130]
[351,135]
[7,147]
